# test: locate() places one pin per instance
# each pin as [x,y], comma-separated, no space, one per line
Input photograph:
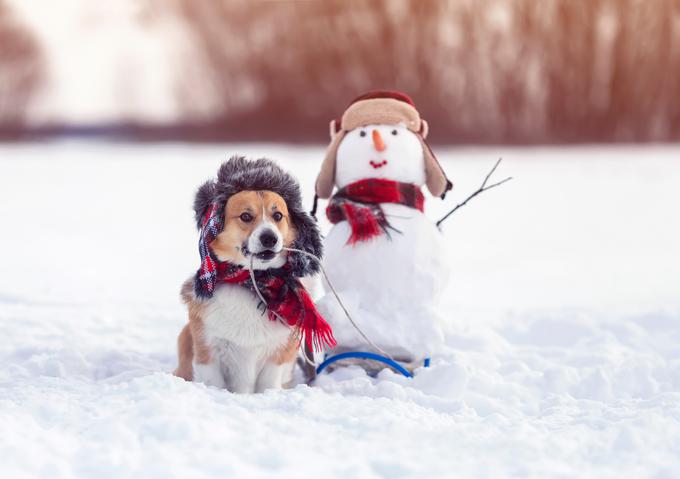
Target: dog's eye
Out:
[394,132]
[277,216]
[362,133]
[246,217]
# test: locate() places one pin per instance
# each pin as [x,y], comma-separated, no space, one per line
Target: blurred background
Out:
[481,71]
[562,312]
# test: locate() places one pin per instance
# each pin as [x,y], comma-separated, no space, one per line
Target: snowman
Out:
[385,258]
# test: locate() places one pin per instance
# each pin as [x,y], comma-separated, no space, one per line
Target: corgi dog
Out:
[248,310]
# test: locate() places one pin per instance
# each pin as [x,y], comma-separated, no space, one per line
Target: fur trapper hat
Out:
[239,174]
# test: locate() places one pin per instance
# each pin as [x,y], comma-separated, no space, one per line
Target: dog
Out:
[248,310]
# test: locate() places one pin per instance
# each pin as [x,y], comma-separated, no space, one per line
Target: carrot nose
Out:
[378,141]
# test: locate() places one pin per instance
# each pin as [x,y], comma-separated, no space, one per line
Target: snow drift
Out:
[561,355]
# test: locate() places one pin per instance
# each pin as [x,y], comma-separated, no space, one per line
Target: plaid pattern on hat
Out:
[206,277]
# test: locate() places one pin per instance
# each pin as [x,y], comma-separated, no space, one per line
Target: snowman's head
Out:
[380,135]
[392,152]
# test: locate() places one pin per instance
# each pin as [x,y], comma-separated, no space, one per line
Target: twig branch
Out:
[478,191]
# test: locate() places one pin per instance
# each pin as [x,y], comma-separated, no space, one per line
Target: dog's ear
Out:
[204,198]
[308,239]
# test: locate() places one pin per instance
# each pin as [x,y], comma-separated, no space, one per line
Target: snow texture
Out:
[563,330]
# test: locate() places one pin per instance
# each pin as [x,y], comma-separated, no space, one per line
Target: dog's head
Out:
[261,211]
[256,223]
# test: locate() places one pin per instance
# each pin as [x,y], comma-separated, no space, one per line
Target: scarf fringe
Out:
[317,333]
[318,339]
[364,222]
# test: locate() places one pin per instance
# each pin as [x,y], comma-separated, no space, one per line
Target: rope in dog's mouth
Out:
[251,270]
[335,294]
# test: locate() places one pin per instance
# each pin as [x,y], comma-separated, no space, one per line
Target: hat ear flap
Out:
[326,179]
[334,128]
[435,178]
[424,129]
[205,196]
[308,239]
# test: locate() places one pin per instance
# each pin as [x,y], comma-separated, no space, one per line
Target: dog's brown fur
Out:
[190,342]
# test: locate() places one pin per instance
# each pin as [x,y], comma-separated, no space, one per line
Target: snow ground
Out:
[564,338]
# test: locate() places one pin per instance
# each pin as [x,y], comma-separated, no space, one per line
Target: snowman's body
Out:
[390,283]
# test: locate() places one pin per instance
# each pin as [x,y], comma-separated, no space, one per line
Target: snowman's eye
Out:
[362,133]
[394,132]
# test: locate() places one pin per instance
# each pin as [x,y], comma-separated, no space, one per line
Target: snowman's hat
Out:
[381,108]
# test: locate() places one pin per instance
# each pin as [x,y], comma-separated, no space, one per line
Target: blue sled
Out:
[372,356]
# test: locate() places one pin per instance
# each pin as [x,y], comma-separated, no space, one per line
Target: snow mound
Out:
[561,354]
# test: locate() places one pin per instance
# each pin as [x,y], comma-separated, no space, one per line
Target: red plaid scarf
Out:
[285,295]
[359,203]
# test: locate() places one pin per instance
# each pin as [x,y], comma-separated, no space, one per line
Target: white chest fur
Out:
[242,340]
[232,315]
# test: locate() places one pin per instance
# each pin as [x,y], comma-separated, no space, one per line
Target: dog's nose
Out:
[268,239]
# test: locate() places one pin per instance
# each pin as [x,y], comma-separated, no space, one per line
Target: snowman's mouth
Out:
[378,164]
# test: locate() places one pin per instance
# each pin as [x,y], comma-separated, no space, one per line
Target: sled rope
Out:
[259,294]
[251,270]
[337,298]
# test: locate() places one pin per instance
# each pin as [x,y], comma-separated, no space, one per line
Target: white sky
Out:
[105,60]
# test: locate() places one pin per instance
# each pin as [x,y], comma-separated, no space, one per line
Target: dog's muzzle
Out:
[265,242]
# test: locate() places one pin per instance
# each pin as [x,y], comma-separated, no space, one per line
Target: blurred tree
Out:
[21,70]
[287,68]
[479,70]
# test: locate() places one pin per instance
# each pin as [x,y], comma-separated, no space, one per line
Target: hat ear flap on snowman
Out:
[381,108]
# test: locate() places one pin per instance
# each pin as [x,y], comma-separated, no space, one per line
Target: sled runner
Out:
[372,371]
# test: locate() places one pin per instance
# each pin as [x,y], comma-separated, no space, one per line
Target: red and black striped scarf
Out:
[286,297]
[359,204]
